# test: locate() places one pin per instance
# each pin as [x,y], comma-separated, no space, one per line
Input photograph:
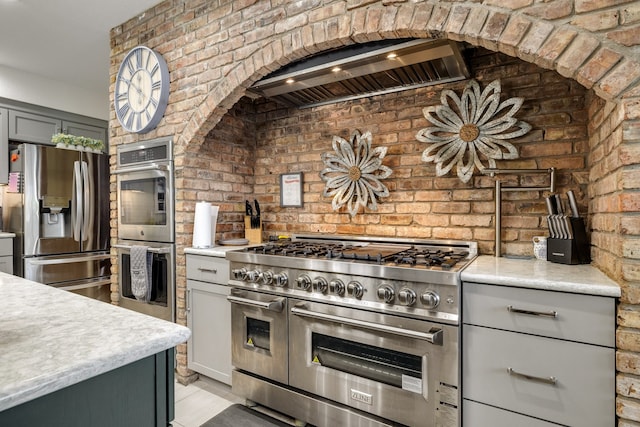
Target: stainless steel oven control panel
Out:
[417,300]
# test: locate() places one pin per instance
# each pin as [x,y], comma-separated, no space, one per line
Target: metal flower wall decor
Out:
[474,124]
[353,173]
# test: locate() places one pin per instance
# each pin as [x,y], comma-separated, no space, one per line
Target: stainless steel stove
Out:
[350,331]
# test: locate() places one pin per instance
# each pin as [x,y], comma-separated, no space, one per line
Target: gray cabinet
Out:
[28,127]
[6,255]
[37,128]
[88,131]
[209,317]
[537,358]
[4,146]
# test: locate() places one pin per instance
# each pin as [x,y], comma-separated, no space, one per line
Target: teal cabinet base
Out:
[136,395]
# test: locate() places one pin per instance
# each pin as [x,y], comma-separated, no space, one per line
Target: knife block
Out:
[253,235]
[570,251]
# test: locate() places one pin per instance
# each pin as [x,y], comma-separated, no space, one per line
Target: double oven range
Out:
[350,331]
[145,196]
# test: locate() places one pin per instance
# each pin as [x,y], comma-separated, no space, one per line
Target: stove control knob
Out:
[304,282]
[281,280]
[386,293]
[266,277]
[239,273]
[407,297]
[336,286]
[430,299]
[253,276]
[320,284]
[354,288]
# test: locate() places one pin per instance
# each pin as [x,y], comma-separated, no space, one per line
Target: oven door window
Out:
[258,333]
[143,201]
[391,367]
[159,278]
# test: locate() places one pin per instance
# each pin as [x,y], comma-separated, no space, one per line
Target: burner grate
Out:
[395,255]
[445,259]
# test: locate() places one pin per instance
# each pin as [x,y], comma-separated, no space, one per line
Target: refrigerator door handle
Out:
[68,260]
[76,213]
[86,285]
[86,201]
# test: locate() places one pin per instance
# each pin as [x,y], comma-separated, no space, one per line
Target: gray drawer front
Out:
[478,415]
[583,396]
[208,269]
[582,318]
[6,247]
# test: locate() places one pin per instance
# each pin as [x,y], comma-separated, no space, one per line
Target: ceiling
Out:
[64,40]
[68,41]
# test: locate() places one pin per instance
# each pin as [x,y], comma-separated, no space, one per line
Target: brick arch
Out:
[555,34]
[586,57]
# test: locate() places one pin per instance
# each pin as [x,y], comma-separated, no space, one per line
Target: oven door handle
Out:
[151,167]
[275,305]
[434,336]
[149,249]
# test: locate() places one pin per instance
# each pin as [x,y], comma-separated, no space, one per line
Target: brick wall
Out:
[422,205]
[216,49]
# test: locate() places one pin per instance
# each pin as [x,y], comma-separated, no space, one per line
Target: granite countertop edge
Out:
[52,339]
[540,274]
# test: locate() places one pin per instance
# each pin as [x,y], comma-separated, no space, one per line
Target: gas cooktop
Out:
[417,278]
[374,253]
[404,259]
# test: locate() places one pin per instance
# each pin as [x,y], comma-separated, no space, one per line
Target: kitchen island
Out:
[74,361]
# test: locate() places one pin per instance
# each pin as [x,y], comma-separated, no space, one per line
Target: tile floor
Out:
[197,402]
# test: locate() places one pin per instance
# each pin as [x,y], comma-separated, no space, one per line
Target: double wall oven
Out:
[145,196]
[353,332]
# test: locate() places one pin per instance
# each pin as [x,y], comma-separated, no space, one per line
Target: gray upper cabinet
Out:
[4,146]
[28,127]
[80,129]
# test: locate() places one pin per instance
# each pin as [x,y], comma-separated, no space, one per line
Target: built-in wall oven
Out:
[161,301]
[350,332]
[145,200]
[145,191]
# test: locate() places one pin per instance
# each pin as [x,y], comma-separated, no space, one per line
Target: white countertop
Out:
[540,274]
[50,339]
[6,235]
[216,251]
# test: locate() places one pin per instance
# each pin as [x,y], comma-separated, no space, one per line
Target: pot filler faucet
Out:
[499,189]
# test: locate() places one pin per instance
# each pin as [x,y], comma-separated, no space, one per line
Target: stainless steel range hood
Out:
[364,70]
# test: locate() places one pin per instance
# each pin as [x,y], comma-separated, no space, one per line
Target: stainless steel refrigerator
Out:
[57,204]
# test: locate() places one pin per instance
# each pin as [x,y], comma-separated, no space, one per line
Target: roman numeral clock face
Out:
[142,90]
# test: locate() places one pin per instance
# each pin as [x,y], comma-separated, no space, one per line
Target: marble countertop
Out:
[51,339]
[216,251]
[540,274]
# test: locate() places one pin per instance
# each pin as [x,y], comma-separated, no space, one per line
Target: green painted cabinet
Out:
[140,394]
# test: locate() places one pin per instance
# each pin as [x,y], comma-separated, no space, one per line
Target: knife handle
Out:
[573,204]
[559,208]
[550,205]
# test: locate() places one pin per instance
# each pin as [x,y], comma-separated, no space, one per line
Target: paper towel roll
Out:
[214,221]
[204,228]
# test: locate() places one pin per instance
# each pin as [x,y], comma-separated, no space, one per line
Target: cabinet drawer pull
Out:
[512,309]
[208,270]
[546,380]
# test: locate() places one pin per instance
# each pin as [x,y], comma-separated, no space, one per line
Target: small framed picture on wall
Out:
[291,189]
